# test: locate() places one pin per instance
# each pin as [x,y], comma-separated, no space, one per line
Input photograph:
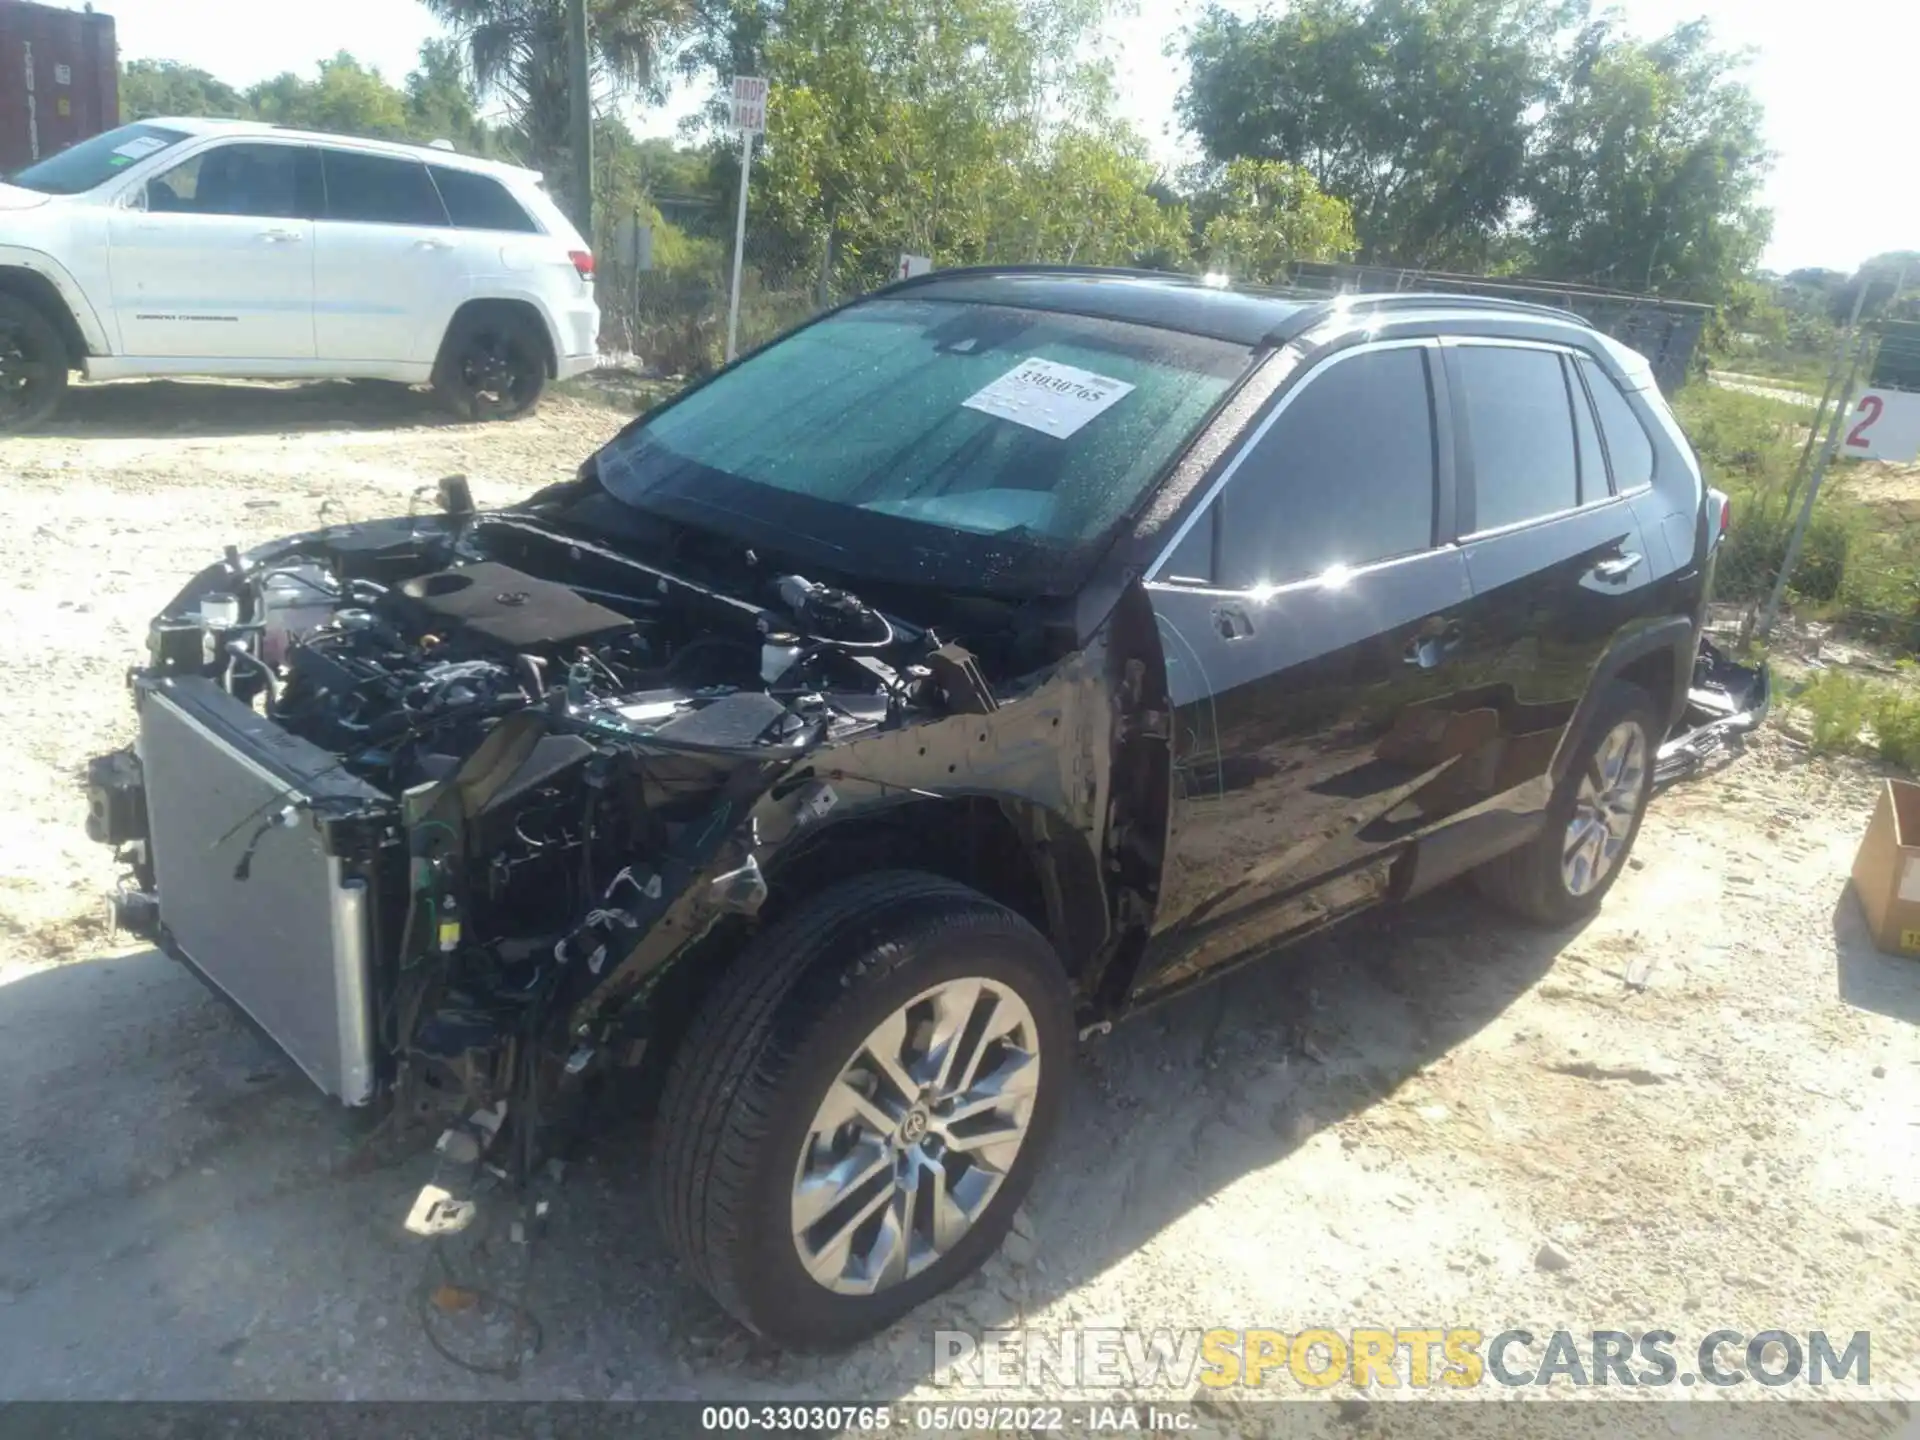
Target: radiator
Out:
[288,943]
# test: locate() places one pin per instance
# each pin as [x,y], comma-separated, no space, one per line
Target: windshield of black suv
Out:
[969,446]
[93,162]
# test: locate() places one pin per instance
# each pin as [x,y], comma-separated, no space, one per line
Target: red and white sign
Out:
[1884,425]
[912,265]
[750,104]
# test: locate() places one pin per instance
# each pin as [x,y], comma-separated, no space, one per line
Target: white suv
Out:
[225,247]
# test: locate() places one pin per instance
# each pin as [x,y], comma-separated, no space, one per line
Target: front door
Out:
[390,268]
[1312,616]
[216,259]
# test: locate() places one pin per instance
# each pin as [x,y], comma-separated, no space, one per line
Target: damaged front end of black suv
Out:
[446,827]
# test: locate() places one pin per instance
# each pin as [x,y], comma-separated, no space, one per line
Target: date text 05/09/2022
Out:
[911,1419]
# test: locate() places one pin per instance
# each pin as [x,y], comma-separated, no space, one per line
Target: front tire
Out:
[861,1106]
[492,365]
[33,365]
[1563,874]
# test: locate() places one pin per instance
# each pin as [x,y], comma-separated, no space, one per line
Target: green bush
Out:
[1853,715]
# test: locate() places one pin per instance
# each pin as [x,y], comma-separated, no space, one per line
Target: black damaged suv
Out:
[971,666]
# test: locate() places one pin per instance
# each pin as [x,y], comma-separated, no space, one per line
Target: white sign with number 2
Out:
[1884,425]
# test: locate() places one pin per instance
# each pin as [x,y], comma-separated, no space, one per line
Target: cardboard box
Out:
[1886,871]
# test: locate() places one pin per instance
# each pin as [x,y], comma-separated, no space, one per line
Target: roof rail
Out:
[974,272]
[1431,299]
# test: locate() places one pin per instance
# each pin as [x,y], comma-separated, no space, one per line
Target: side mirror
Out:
[456,496]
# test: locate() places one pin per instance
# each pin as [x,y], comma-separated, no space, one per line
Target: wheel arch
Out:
[501,305]
[38,290]
[1658,658]
[1012,850]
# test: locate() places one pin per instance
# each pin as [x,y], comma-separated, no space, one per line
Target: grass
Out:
[1850,714]
[1857,568]
[1808,372]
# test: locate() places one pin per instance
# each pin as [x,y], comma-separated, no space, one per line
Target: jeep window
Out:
[380,190]
[93,162]
[1593,461]
[1343,477]
[971,446]
[480,202]
[271,181]
[1520,430]
[1628,447]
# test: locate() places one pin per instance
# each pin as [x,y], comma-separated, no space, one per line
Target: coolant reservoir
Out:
[295,599]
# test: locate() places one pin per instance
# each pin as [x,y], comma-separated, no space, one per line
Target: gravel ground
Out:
[1702,1110]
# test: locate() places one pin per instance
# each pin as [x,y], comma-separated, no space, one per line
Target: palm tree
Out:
[517,52]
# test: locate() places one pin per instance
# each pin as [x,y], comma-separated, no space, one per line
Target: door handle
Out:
[1232,621]
[281,237]
[1428,651]
[1616,569]
[431,244]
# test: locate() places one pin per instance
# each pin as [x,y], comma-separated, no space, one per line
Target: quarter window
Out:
[1344,478]
[1627,444]
[1520,429]
[1593,463]
[480,202]
[381,190]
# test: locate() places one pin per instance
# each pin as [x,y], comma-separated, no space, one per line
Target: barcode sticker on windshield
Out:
[1052,398]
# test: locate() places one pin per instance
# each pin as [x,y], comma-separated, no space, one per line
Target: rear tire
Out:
[33,365]
[492,365]
[748,1146]
[1563,873]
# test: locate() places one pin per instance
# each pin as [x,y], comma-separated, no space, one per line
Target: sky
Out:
[1837,81]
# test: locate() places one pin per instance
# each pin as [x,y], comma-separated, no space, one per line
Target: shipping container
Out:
[59,80]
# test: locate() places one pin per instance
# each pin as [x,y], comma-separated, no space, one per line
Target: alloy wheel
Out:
[23,373]
[1604,808]
[915,1136]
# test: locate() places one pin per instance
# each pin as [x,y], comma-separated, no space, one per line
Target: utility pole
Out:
[580,88]
[1833,375]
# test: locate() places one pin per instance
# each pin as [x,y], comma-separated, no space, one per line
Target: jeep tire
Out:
[839,1010]
[492,364]
[33,364]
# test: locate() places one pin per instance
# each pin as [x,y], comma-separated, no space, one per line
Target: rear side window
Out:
[1627,444]
[480,202]
[1345,477]
[381,190]
[1520,429]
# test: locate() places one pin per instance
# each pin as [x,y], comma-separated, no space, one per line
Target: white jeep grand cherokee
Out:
[226,247]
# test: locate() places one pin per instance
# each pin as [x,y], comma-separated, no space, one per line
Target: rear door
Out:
[1557,560]
[215,258]
[390,269]
[1311,619]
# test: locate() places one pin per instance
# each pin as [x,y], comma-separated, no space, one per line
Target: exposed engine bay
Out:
[496,784]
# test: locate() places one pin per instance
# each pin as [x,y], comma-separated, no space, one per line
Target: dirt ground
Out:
[1705,1105]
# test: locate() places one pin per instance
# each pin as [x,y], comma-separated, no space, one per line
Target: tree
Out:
[439,105]
[920,126]
[517,50]
[166,87]
[1648,167]
[1087,200]
[1263,215]
[346,99]
[1417,113]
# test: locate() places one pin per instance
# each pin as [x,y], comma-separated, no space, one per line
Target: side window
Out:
[1520,428]
[270,181]
[380,190]
[1593,463]
[1345,477]
[480,202]
[1627,444]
